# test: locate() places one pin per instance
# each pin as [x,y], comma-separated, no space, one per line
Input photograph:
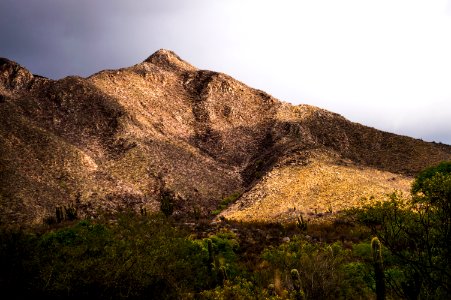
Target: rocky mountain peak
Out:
[170,61]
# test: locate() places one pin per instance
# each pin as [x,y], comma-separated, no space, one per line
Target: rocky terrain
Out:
[120,139]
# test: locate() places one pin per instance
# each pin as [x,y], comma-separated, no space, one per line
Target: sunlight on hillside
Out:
[319,189]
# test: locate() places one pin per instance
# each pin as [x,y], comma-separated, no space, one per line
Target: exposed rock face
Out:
[118,138]
[13,76]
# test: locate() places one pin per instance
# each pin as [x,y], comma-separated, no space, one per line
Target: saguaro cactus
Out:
[301,224]
[222,274]
[70,212]
[167,202]
[296,279]
[59,214]
[211,267]
[376,249]
[210,255]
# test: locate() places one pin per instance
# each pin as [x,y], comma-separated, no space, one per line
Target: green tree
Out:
[417,234]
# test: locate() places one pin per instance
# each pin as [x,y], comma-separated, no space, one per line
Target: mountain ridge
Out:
[119,138]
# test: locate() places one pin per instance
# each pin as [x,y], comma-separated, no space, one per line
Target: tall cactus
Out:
[222,274]
[376,249]
[211,266]
[296,279]
[59,214]
[210,255]
[216,270]
[301,224]
[70,212]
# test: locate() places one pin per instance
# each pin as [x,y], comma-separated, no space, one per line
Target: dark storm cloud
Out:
[392,75]
[57,38]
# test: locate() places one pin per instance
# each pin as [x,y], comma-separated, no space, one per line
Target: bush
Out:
[417,234]
[323,269]
[225,202]
[134,258]
[239,288]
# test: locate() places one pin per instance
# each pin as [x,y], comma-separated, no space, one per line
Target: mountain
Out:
[125,138]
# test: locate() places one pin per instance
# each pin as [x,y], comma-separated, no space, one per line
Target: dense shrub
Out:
[325,269]
[417,234]
[239,289]
[134,258]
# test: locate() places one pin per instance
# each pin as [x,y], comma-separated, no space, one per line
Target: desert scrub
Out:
[416,235]
[225,202]
[240,288]
[322,269]
[134,256]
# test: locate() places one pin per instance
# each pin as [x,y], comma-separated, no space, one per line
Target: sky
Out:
[385,63]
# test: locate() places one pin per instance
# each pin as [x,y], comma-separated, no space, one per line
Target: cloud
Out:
[58,38]
[382,63]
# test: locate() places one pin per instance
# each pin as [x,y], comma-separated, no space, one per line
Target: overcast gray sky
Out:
[384,63]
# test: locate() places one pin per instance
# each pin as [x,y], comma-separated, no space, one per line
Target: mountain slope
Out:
[121,138]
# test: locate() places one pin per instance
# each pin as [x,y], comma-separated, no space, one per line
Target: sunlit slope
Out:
[319,189]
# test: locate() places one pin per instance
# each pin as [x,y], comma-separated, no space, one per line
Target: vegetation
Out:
[225,202]
[62,213]
[379,275]
[416,233]
[397,249]
[166,202]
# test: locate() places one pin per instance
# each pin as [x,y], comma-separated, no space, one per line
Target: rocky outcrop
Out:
[13,76]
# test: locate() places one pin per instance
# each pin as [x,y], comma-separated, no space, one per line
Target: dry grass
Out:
[318,189]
